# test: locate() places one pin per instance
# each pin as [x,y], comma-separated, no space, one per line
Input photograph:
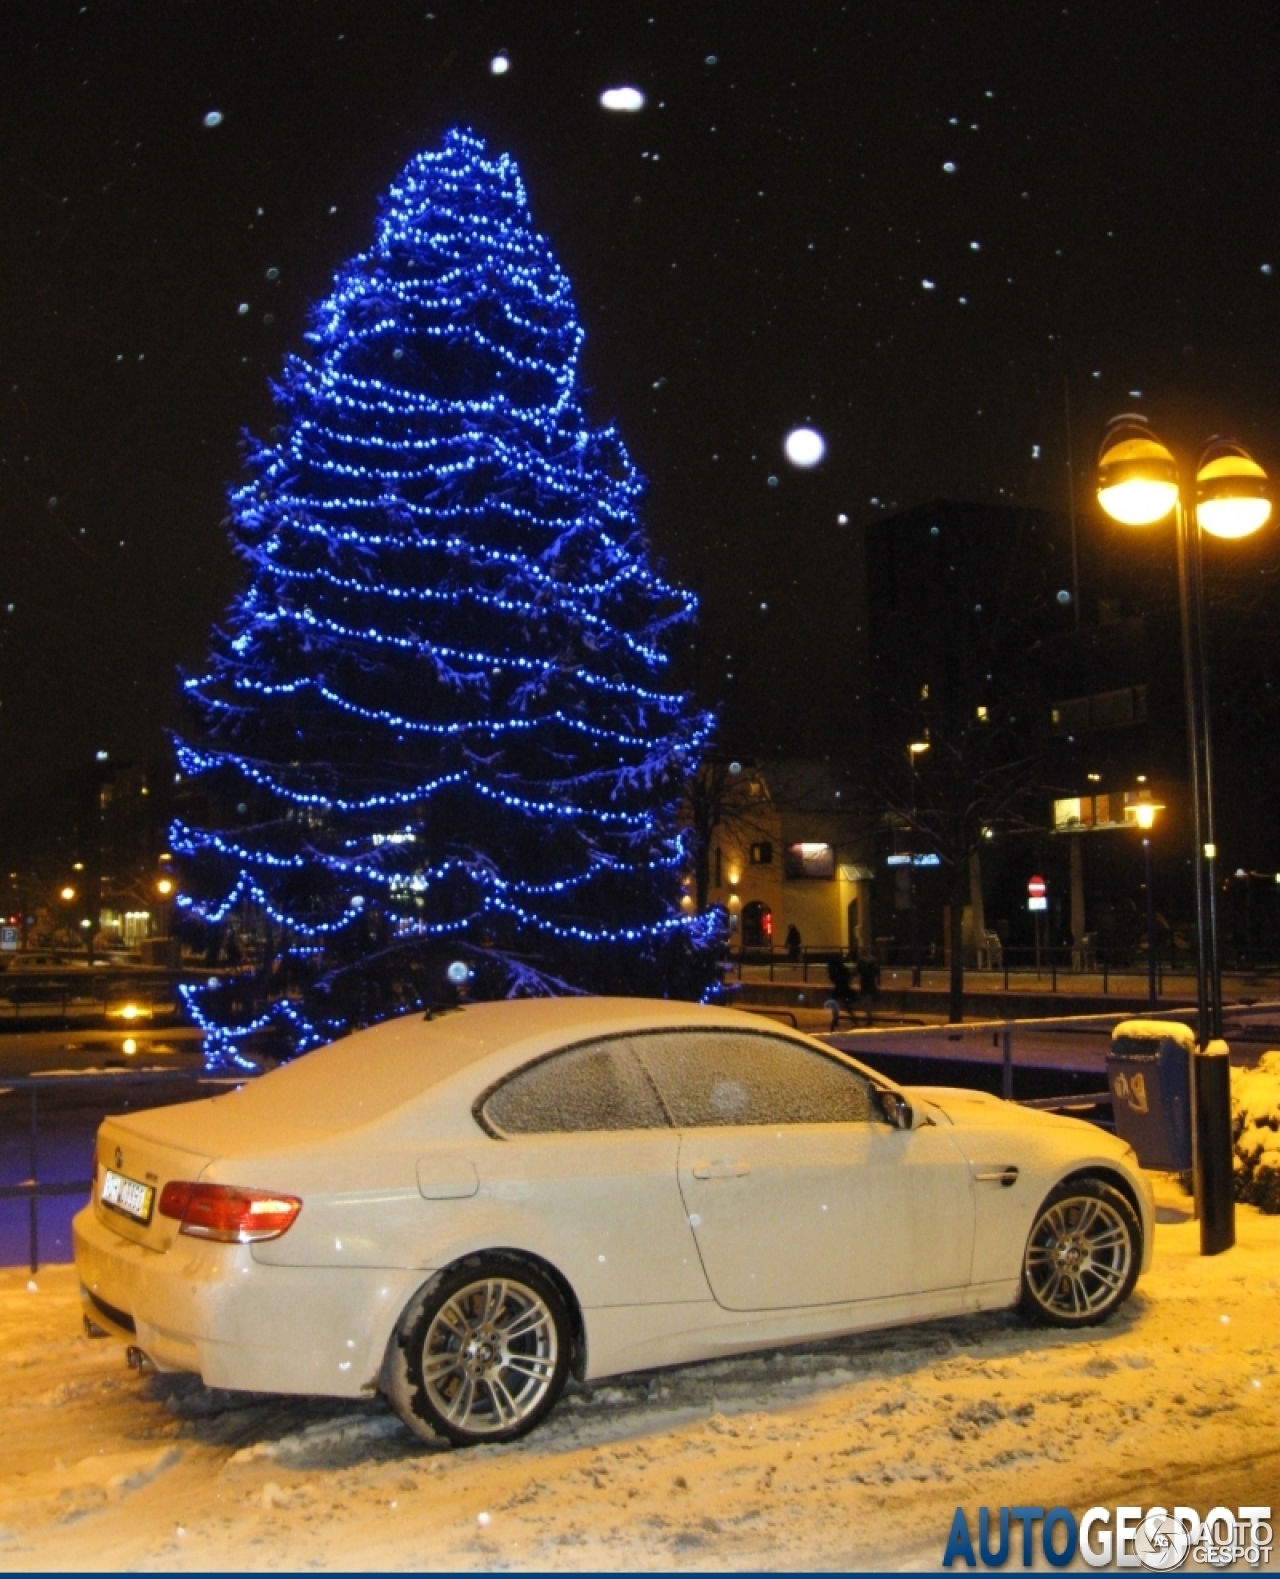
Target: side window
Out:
[596,1086]
[735,1077]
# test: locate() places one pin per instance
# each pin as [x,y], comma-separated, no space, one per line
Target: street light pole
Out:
[1140,483]
[913,751]
[1190,606]
[1151,928]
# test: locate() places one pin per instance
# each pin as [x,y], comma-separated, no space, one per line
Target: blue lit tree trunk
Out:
[435,727]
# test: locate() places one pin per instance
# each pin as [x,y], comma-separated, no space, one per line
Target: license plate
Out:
[127,1196]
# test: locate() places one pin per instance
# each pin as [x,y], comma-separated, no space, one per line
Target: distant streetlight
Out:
[1140,483]
[915,749]
[166,887]
[67,894]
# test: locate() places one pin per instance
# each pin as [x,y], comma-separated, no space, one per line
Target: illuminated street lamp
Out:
[1140,483]
[915,749]
[67,894]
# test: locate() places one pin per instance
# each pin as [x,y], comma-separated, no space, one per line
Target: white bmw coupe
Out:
[460,1211]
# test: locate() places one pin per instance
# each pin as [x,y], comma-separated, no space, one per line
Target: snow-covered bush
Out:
[1255,1128]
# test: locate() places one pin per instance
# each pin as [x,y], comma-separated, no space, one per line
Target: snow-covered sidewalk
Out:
[847,1455]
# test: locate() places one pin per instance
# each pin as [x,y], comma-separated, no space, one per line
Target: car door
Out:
[798,1189]
[586,1173]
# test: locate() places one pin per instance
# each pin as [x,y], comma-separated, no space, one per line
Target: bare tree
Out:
[722,795]
[976,780]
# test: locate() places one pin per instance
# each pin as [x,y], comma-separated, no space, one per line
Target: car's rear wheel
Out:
[482,1352]
[1082,1255]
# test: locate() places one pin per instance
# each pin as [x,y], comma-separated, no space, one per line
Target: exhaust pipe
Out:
[138,1361]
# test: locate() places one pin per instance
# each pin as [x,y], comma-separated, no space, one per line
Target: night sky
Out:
[920,228]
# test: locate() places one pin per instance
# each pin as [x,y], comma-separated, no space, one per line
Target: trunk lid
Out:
[145,1164]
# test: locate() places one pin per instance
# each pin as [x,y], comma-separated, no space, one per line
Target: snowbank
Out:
[1255,1114]
[847,1455]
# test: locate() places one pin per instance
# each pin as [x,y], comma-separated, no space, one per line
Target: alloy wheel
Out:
[490,1356]
[1081,1257]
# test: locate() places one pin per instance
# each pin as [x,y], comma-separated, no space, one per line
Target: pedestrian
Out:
[793,943]
[868,981]
[841,990]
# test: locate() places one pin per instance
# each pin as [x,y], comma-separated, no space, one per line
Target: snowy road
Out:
[848,1455]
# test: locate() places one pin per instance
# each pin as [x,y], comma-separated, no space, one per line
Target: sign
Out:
[1037,894]
[9,940]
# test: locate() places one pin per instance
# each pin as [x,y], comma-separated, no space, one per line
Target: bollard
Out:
[1211,1107]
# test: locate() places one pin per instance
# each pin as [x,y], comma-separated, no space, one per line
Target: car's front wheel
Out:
[1082,1255]
[482,1352]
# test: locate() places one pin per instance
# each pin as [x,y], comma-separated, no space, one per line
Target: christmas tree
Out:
[435,735]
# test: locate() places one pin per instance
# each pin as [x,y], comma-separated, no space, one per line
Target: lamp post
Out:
[164,889]
[1145,817]
[1140,483]
[915,749]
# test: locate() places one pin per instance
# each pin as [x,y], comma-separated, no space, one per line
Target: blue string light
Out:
[436,711]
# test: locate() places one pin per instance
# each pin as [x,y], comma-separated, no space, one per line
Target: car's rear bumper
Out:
[213,1310]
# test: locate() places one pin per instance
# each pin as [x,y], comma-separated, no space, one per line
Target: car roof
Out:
[374,1071]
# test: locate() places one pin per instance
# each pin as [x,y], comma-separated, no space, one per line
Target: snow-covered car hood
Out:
[973,1109]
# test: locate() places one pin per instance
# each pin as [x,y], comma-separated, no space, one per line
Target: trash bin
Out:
[1149,1072]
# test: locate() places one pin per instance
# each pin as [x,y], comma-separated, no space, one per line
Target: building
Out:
[786,846]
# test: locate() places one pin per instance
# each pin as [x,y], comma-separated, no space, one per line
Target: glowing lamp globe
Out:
[1137,476]
[1233,498]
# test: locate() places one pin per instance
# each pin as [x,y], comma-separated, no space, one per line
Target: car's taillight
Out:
[227,1212]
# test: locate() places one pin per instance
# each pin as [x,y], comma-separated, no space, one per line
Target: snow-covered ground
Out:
[846,1455]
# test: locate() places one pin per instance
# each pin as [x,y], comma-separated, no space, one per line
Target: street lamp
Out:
[1140,483]
[915,749]
[1144,814]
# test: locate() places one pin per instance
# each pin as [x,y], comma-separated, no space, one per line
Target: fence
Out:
[131,1003]
[33,1188]
[1007,969]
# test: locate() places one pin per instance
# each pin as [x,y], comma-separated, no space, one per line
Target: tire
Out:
[1082,1255]
[482,1352]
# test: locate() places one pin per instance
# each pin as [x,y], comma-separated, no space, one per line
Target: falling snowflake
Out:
[804,447]
[622,99]
[213,118]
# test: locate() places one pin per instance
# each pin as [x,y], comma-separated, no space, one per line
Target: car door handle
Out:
[721,1168]
[1007,1175]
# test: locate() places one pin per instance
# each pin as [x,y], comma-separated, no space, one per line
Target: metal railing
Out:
[38,1000]
[33,1189]
[1006,969]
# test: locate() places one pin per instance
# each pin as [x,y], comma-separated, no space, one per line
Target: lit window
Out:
[810,860]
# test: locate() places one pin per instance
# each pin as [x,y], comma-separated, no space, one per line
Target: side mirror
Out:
[897,1110]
